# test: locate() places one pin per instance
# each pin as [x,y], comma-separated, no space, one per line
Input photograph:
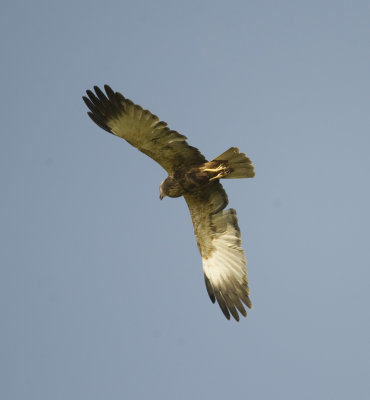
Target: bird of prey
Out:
[189,175]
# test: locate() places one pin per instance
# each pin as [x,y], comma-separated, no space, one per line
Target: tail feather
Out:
[241,165]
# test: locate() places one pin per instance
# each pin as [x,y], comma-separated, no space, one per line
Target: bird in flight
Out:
[189,175]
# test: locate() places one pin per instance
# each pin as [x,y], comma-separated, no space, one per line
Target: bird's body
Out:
[192,176]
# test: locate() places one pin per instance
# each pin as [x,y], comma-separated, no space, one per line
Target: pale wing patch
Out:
[224,266]
[227,259]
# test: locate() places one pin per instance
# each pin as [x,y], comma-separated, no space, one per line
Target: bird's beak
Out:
[161,197]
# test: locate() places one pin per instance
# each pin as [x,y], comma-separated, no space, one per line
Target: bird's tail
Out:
[240,165]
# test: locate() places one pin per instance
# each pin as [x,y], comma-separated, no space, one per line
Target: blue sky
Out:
[101,286]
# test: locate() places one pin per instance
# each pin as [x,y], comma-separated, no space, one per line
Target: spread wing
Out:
[142,129]
[218,237]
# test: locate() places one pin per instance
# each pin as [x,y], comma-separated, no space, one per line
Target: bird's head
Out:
[170,187]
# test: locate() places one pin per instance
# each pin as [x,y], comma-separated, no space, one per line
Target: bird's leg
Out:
[220,171]
[219,168]
[215,172]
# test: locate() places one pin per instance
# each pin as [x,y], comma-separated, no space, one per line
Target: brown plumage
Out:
[192,176]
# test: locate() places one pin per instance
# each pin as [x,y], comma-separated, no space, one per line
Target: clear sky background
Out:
[101,286]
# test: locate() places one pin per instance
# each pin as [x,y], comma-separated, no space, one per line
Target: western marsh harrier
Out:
[198,180]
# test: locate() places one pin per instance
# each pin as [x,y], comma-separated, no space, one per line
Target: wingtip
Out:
[209,288]
[108,88]
[229,304]
[109,91]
